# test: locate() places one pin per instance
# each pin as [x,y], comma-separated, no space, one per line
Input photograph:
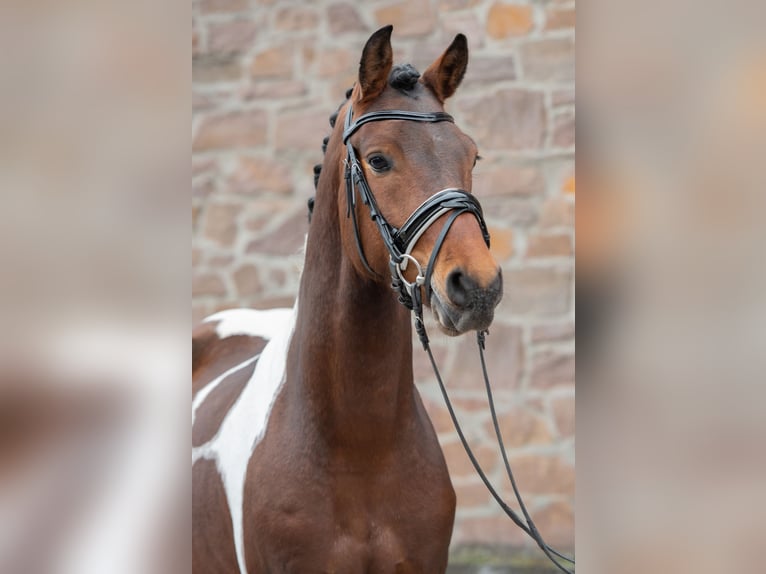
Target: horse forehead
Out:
[419,99]
[417,138]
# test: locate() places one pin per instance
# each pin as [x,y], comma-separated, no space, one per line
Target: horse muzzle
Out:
[461,304]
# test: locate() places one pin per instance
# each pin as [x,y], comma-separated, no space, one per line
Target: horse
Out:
[312,450]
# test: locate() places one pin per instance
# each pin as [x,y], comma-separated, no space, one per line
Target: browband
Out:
[431,117]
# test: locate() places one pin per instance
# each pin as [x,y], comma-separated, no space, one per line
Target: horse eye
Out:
[476,160]
[378,163]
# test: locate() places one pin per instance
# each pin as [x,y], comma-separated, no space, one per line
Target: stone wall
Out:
[267,75]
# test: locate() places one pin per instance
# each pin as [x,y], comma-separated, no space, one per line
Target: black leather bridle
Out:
[400,242]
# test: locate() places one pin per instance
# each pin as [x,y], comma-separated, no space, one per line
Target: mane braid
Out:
[318,167]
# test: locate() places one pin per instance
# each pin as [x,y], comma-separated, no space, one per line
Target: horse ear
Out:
[446,73]
[375,65]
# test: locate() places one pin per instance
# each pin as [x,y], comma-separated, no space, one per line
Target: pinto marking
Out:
[253,322]
[212,385]
[245,424]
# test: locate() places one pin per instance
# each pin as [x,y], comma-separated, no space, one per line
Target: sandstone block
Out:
[220,223]
[409,18]
[557,212]
[247,281]
[552,333]
[202,189]
[231,130]
[286,239]
[539,474]
[538,291]
[504,20]
[543,245]
[557,18]
[334,62]
[231,37]
[472,495]
[563,97]
[274,62]
[490,69]
[553,369]
[564,415]
[507,119]
[207,284]
[297,18]
[439,416]
[563,130]
[214,68]
[448,5]
[255,175]
[301,130]
[557,521]
[203,166]
[514,211]
[202,102]
[421,365]
[343,18]
[492,529]
[520,427]
[274,90]
[504,355]
[222,6]
[549,60]
[466,23]
[502,243]
[508,180]
[460,465]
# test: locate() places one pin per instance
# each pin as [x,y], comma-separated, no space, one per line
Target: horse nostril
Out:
[459,287]
[497,284]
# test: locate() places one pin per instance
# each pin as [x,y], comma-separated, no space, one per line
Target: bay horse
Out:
[312,451]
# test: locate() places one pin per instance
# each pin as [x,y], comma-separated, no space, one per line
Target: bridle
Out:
[400,242]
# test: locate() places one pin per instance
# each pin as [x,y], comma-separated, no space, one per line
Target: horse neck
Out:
[351,354]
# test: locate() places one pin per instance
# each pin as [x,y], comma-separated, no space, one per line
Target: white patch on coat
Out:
[203,393]
[250,322]
[245,424]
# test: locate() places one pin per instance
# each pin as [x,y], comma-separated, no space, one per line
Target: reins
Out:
[399,243]
[527,525]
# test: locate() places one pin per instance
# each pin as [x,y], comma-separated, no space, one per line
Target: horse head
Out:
[414,170]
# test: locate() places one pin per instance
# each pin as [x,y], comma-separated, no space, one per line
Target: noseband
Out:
[400,242]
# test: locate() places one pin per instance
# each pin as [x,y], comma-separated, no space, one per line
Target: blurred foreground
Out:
[670,286]
[94,289]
